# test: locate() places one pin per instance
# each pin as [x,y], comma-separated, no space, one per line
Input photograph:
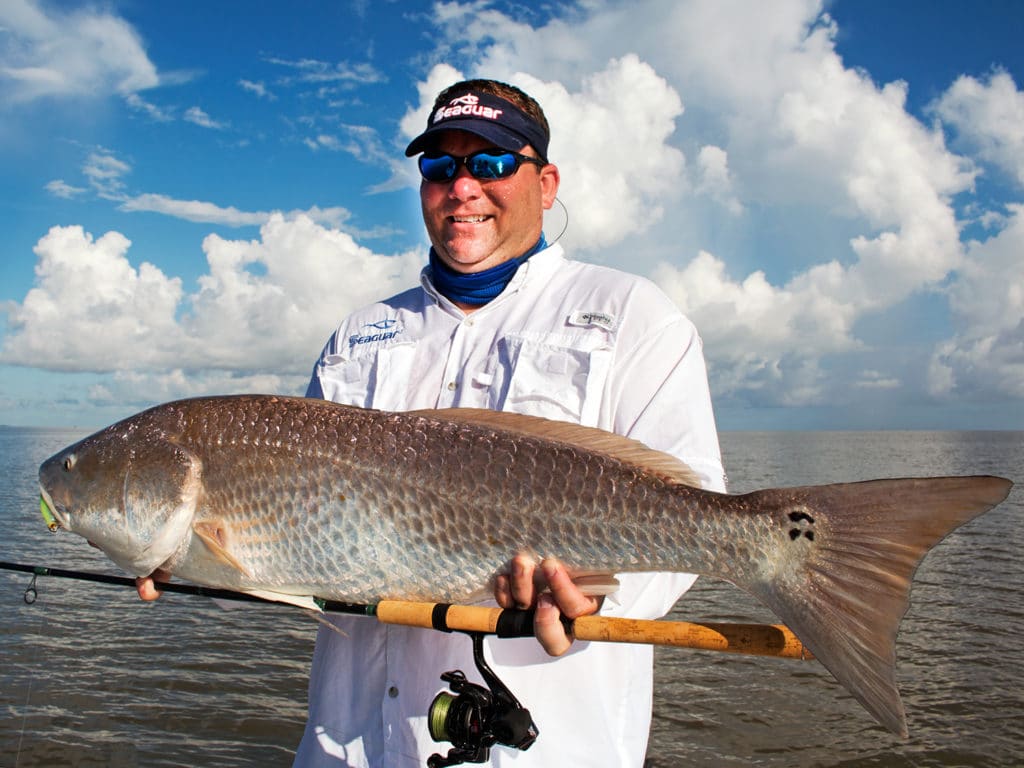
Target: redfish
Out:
[306,497]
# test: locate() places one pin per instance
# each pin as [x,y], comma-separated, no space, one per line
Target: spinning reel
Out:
[474,718]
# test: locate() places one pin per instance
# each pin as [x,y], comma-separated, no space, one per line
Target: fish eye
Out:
[69,462]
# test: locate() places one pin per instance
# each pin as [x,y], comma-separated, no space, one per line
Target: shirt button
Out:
[451,386]
[393,691]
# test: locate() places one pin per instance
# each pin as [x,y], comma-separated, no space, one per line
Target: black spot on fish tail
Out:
[803,525]
[801,515]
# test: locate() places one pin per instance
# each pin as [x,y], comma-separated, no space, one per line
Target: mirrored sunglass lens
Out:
[489,166]
[438,168]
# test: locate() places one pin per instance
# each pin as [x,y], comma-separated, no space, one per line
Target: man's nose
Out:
[464,186]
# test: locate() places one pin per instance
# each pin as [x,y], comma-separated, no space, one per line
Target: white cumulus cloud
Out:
[988,114]
[986,356]
[714,178]
[82,52]
[91,310]
[264,308]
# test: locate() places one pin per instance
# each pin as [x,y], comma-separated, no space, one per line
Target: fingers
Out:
[565,599]
[523,587]
[147,591]
[517,589]
[524,591]
[146,585]
[548,628]
[502,591]
[567,596]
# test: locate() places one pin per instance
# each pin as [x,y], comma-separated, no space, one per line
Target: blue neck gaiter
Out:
[477,288]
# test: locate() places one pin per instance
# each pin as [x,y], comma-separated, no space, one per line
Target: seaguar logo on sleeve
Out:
[382,330]
[467,105]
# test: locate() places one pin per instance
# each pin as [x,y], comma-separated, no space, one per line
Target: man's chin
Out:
[470,260]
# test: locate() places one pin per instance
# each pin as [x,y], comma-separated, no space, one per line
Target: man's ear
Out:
[549,181]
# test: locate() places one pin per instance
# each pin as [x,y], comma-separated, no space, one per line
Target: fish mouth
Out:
[51,517]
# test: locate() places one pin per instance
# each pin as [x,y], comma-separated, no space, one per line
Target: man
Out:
[504,321]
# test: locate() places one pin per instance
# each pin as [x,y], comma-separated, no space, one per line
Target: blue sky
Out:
[193,196]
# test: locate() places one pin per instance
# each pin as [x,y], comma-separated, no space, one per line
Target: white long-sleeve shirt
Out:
[564,340]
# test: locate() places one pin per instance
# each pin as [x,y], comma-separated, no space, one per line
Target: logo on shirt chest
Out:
[382,330]
[592,319]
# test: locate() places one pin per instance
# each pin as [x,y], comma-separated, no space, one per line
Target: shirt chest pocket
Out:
[545,378]
[376,379]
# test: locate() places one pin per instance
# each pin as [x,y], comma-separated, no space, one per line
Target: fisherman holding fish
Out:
[505,321]
[424,481]
[502,320]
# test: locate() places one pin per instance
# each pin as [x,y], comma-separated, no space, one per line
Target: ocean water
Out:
[91,676]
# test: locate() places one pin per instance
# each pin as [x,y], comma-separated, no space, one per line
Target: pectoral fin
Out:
[216,534]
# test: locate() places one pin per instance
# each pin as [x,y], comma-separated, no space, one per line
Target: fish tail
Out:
[849,552]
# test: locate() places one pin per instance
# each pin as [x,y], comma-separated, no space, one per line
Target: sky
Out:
[194,194]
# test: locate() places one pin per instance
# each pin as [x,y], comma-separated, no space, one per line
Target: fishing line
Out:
[30,596]
[565,225]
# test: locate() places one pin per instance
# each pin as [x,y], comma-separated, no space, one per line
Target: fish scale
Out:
[305,497]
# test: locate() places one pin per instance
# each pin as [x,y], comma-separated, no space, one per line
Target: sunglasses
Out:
[485,164]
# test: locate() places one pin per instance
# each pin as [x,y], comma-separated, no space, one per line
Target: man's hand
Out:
[146,585]
[523,588]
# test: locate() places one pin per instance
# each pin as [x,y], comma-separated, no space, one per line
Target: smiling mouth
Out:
[468,219]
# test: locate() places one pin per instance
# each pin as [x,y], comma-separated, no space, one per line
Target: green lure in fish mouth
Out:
[51,521]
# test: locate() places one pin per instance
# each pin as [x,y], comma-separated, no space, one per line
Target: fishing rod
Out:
[752,639]
[474,718]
